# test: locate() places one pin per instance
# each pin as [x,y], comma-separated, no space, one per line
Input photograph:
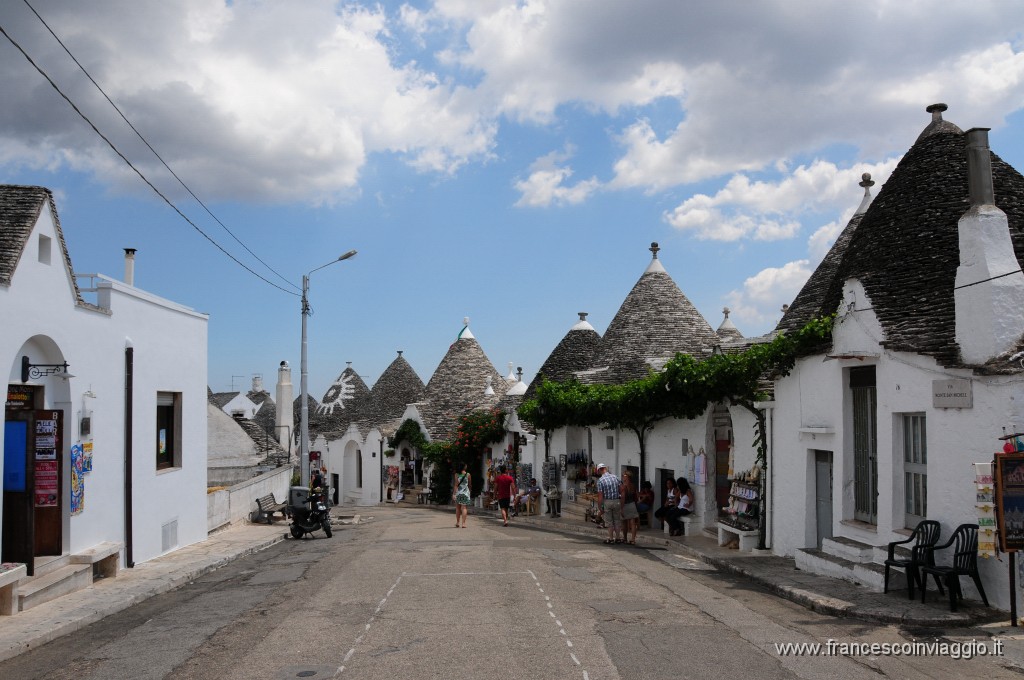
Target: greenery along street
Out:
[683,389]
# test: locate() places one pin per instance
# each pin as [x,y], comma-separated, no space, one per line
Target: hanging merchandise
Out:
[732,463]
[985,505]
[700,468]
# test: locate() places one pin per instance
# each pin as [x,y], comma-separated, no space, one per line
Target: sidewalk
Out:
[50,620]
[779,575]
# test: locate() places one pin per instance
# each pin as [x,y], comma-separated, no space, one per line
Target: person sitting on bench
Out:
[532,491]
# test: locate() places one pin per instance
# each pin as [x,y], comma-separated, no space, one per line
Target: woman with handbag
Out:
[630,515]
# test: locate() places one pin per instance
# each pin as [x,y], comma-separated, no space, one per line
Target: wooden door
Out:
[48,468]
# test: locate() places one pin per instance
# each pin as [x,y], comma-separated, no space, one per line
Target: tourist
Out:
[462,495]
[610,502]
[505,488]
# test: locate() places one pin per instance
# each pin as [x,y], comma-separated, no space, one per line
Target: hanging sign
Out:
[1009,484]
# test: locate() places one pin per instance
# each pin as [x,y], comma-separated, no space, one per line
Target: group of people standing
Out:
[621,502]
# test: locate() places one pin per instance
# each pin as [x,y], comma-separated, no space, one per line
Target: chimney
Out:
[257,382]
[285,416]
[129,266]
[979,168]
[989,287]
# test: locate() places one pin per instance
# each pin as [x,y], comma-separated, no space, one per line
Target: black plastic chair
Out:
[965,563]
[924,538]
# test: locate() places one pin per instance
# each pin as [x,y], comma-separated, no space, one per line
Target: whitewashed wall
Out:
[812,413]
[43,321]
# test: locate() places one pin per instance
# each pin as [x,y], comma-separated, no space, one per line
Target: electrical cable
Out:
[149,146]
[136,170]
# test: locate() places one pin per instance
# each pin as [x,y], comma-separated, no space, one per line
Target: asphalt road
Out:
[407,595]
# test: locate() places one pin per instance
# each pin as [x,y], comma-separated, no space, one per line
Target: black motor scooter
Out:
[308,511]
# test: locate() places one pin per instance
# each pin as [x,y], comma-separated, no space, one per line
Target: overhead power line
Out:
[138,172]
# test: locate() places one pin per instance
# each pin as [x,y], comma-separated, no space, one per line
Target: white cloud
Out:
[769,211]
[762,296]
[546,184]
[289,100]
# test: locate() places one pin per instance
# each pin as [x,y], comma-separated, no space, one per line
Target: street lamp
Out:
[304,409]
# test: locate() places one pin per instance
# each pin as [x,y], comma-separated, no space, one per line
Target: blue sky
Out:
[506,161]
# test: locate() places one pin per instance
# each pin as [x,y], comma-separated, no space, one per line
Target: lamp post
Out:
[304,409]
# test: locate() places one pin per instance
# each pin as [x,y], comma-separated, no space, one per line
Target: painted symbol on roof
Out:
[341,391]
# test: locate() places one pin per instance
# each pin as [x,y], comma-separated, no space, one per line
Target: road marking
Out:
[383,602]
[561,628]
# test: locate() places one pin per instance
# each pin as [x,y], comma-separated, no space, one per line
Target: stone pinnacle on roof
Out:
[865,181]
[583,324]
[938,125]
[727,329]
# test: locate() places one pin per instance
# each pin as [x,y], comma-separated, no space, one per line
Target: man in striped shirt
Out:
[609,497]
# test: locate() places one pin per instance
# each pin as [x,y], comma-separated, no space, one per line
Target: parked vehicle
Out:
[308,511]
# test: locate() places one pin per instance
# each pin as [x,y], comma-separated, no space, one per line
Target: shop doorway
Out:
[823,494]
[33,474]
[660,492]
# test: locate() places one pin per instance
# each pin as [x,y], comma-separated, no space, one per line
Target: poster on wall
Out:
[87,457]
[77,481]
[46,490]
[46,439]
[1009,482]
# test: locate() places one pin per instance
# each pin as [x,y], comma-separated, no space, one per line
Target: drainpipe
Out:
[129,383]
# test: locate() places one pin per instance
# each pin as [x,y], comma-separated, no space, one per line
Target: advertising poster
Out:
[87,457]
[1009,479]
[46,484]
[46,439]
[77,480]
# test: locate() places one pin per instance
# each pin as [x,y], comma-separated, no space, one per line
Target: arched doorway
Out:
[36,454]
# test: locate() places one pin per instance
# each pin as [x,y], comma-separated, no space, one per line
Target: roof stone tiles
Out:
[655,322]
[342,404]
[397,387]
[457,387]
[905,248]
[20,208]
[575,352]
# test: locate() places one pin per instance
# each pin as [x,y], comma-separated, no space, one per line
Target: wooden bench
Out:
[268,505]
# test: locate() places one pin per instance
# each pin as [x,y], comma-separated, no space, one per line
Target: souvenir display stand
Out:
[737,522]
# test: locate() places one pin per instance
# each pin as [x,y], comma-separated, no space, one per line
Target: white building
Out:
[929,294]
[105,419]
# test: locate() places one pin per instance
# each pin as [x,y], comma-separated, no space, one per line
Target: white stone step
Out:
[57,583]
[848,549]
[867,574]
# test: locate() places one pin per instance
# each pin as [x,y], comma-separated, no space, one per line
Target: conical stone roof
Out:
[655,322]
[396,388]
[574,353]
[458,386]
[341,404]
[905,248]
